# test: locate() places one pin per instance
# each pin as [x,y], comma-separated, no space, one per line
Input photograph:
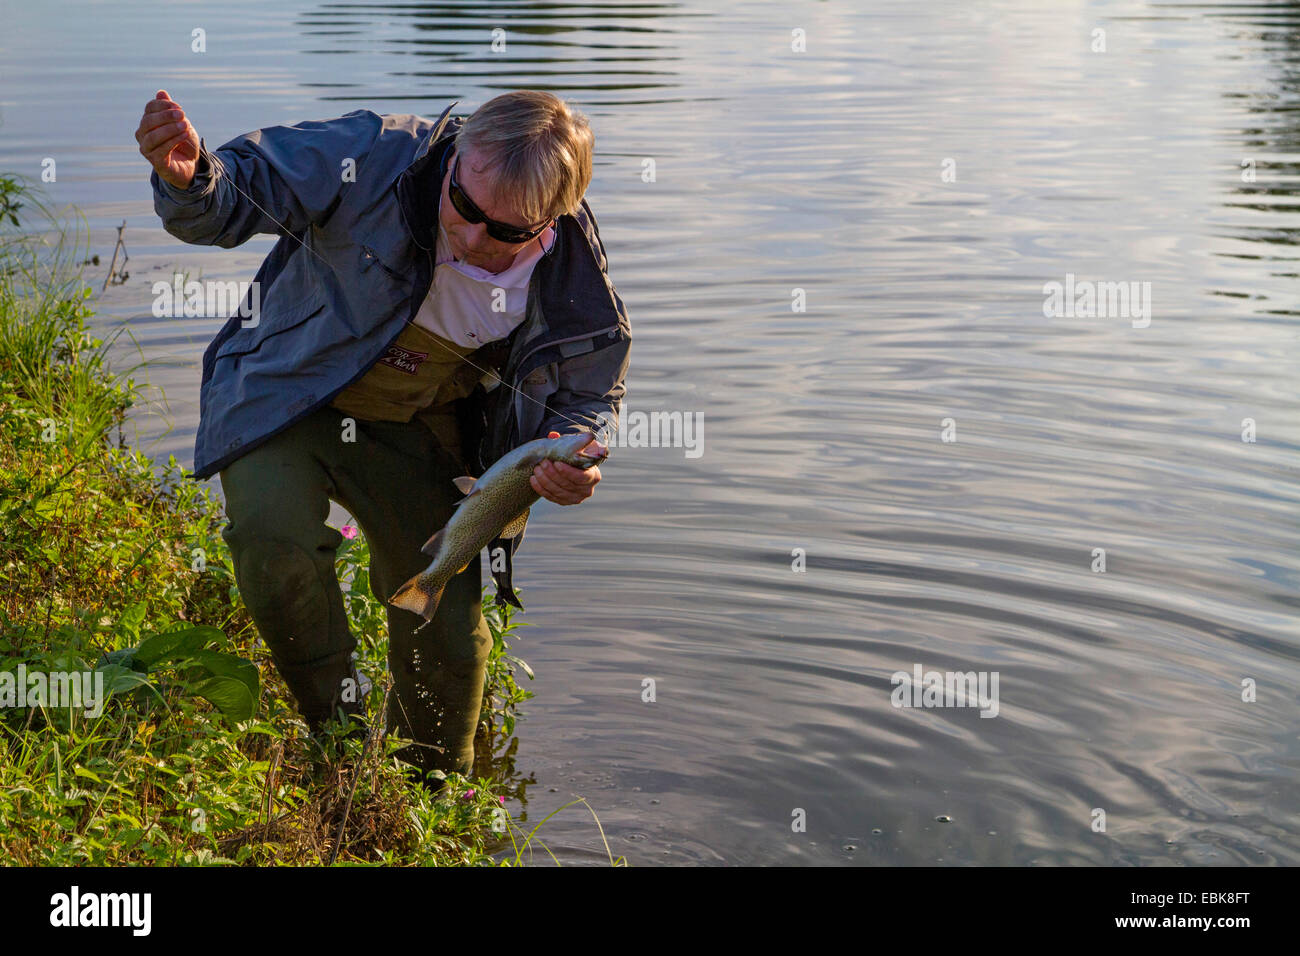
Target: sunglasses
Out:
[499,231]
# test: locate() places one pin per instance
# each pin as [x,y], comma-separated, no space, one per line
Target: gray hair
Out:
[538,151]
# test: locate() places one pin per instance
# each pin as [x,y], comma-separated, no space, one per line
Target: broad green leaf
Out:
[171,645]
[124,657]
[228,694]
[119,679]
[221,664]
[128,625]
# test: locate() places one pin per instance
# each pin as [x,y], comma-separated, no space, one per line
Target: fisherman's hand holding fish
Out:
[563,483]
[563,469]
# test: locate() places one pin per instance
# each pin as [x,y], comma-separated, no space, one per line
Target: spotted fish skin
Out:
[495,505]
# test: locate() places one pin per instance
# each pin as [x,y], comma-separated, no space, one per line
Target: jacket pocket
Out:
[272,320]
[532,400]
[370,259]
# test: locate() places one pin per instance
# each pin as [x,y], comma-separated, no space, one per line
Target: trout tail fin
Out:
[418,596]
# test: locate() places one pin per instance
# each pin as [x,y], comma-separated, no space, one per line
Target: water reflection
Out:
[822,172]
[1269,179]
[596,54]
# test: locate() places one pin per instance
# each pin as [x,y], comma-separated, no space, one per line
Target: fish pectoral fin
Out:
[516,527]
[433,544]
[465,484]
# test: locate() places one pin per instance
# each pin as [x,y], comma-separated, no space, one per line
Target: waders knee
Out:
[294,599]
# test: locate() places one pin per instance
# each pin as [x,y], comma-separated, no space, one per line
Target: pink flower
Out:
[501,800]
[348,531]
[469,794]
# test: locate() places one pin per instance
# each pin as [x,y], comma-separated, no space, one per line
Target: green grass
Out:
[110,564]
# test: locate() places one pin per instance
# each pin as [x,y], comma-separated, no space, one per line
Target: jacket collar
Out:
[422,179]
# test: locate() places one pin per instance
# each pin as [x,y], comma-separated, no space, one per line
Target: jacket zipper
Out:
[511,420]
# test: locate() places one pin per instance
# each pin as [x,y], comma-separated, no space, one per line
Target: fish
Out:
[495,505]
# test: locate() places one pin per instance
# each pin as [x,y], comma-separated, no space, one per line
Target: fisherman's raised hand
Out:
[564,484]
[168,141]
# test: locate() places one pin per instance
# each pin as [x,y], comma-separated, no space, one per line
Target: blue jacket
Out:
[352,266]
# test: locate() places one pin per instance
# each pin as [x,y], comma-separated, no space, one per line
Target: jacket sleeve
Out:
[590,393]
[590,387]
[267,181]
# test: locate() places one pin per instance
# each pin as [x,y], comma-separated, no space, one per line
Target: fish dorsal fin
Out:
[465,483]
[433,544]
[516,527]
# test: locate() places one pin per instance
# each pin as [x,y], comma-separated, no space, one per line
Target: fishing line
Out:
[612,430]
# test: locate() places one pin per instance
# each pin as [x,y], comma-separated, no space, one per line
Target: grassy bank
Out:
[114,568]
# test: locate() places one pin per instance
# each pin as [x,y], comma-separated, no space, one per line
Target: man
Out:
[437,297]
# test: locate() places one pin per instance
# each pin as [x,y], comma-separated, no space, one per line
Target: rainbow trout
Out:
[495,505]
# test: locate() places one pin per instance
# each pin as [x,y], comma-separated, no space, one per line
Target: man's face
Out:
[470,242]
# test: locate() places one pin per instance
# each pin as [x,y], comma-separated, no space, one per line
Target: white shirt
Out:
[469,305]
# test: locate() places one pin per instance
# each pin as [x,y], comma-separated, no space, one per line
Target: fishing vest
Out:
[419,377]
[440,354]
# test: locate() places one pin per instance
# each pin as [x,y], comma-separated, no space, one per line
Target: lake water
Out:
[920,172]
